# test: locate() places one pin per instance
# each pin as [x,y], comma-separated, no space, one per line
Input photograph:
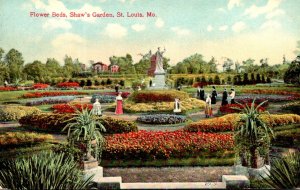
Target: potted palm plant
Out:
[85,131]
[252,139]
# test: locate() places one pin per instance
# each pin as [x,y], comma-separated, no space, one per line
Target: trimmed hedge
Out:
[162,119]
[157,96]
[14,113]
[56,122]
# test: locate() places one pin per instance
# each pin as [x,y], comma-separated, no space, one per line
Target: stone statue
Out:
[97,108]
[159,61]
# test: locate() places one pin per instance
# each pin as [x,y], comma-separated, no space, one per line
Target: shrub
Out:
[50,100]
[67,85]
[14,113]
[186,104]
[217,80]
[157,96]
[70,108]
[280,119]
[163,145]
[196,84]
[40,86]
[43,171]
[47,94]
[161,119]
[233,108]
[55,122]
[11,139]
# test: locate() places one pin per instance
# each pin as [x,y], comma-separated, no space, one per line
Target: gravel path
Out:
[169,174]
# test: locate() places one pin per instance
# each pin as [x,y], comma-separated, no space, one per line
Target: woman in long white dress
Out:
[208,108]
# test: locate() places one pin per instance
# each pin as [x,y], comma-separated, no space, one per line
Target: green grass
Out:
[286,127]
[170,162]
[45,108]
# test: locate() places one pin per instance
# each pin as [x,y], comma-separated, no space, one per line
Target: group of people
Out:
[96,110]
[212,98]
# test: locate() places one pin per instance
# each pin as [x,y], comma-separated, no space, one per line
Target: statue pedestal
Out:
[159,81]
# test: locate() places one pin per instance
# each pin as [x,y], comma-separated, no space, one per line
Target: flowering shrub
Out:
[47,94]
[40,86]
[50,100]
[22,138]
[55,122]
[267,91]
[161,119]
[262,97]
[163,145]
[232,108]
[8,88]
[227,122]
[224,123]
[70,108]
[186,104]
[103,98]
[157,96]
[14,113]
[67,85]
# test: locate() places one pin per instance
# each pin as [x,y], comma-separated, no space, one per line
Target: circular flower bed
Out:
[161,119]
[103,98]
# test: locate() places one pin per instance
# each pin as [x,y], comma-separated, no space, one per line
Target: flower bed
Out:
[186,105]
[103,98]
[70,108]
[262,97]
[163,145]
[157,96]
[40,86]
[161,119]
[47,94]
[123,94]
[8,88]
[10,139]
[50,100]
[224,123]
[68,85]
[233,108]
[293,107]
[227,122]
[55,122]
[266,91]
[14,113]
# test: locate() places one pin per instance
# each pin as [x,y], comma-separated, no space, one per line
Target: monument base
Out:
[159,81]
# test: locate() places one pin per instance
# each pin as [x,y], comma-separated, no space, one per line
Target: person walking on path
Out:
[214,95]
[117,88]
[201,93]
[119,106]
[232,96]
[224,98]
[208,109]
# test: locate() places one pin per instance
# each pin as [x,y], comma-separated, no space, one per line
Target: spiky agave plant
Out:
[252,133]
[46,170]
[84,128]
[284,173]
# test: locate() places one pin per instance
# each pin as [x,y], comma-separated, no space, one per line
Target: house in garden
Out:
[99,67]
[114,68]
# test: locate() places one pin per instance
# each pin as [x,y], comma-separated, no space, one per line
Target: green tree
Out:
[248,66]
[217,80]
[35,71]
[15,62]
[292,75]
[125,63]
[227,65]
[245,79]
[212,65]
[53,68]
[68,67]
[4,70]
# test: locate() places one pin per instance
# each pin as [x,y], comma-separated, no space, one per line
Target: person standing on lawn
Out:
[208,109]
[119,106]
[214,95]
[201,93]
[232,96]
[224,98]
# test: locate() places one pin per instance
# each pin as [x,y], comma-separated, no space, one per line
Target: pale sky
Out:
[237,29]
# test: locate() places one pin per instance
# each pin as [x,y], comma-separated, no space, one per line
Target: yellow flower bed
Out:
[14,113]
[187,104]
[19,138]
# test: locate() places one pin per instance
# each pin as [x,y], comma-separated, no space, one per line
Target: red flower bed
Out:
[196,84]
[158,96]
[232,108]
[8,88]
[164,145]
[40,86]
[68,84]
[267,91]
[124,94]
[67,108]
[46,94]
